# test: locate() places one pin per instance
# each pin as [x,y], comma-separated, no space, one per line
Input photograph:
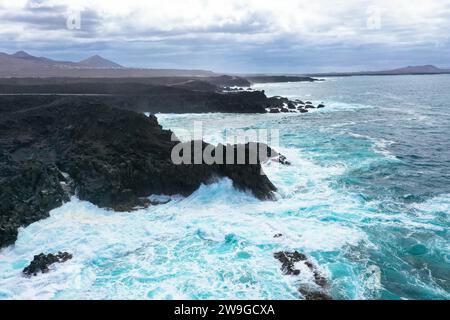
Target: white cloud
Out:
[239,24]
[323,21]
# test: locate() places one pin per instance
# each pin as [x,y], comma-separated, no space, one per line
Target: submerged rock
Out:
[321,106]
[42,261]
[280,104]
[288,261]
[269,79]
[29,189]
[311,294]
[283,160]
[278,235]
[139,97]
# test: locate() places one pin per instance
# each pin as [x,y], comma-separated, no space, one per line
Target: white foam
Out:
[218,241]
[380,145]
[163,198]
[439,203]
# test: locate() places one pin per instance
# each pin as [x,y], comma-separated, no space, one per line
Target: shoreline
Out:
[106,155]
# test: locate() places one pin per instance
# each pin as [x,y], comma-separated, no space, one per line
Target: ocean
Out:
[366,197]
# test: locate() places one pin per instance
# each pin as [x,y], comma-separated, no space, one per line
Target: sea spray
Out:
[365,198]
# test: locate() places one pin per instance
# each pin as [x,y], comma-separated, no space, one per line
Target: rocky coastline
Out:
[318,290]
[42,262]
[114,158]
[95,142]
[225,94]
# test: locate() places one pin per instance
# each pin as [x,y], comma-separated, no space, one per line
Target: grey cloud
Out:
[44,17]
[343,42]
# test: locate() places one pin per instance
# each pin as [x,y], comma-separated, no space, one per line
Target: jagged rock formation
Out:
[111,157]
[140,97]
[288,267]
[42,261]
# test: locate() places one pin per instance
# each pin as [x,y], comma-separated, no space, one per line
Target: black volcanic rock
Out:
[212,83]
[283,160]
[141,97]
[311,294]
[288,261]
[229,81]
[42,261]
[111,157]
[153,95]
[278,235]
[277,102]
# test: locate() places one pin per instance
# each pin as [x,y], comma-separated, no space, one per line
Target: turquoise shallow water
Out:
[367,197]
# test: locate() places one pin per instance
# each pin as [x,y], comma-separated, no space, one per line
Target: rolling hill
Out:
[22,64]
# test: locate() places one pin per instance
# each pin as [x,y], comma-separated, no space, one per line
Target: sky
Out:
[242,36]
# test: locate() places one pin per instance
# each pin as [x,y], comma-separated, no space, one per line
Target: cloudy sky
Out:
[290,36]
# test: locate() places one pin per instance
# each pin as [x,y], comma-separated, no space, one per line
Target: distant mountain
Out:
[98,62]
[24,55]
[426,69]
[416,70]
[24,65]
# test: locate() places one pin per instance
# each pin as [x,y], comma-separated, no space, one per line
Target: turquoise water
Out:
[367,197]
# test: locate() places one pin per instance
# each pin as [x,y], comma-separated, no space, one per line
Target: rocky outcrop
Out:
[111,157]
[153,95]
[42,261]
[288,267]
[142,98]
[279,104]
[282,159]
